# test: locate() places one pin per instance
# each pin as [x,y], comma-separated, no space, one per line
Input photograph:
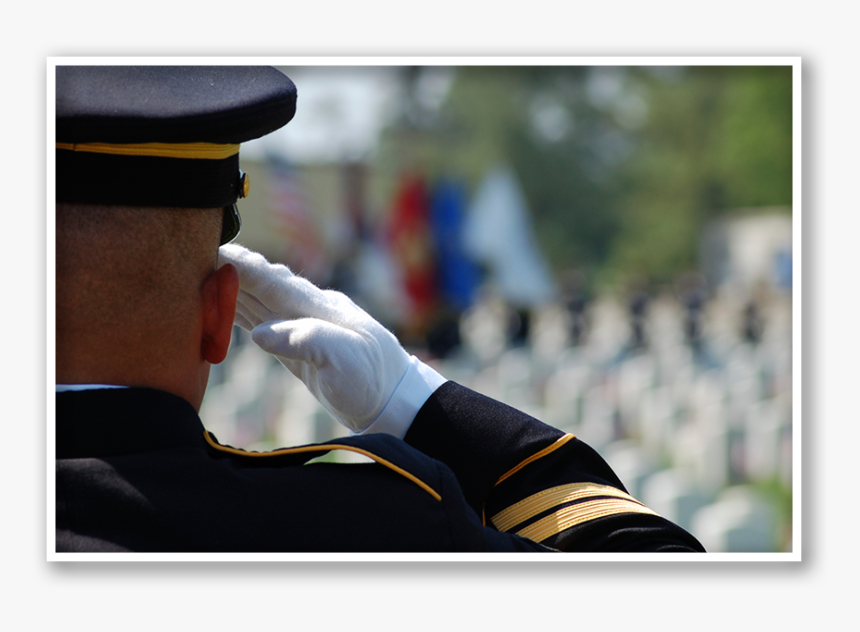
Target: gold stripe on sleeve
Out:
[533,505]
[326,448]
[572,515]
[207,151]
[537,455]
[534,457]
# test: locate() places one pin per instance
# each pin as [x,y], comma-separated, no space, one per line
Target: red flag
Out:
[411,244]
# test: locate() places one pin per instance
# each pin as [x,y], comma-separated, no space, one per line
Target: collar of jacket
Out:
[111,422]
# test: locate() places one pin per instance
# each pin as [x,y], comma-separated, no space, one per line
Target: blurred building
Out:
[748,249]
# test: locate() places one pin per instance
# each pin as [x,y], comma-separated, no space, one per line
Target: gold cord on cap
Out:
[206,151]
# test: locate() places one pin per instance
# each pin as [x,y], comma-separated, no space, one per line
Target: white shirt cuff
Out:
[415,388]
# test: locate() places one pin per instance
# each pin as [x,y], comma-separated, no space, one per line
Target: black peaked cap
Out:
[164,135]
[171,104]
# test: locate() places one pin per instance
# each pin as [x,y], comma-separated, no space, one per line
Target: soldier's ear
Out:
[220,292]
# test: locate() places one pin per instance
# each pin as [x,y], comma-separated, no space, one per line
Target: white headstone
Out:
[563,395]
[766,425]
[515,374]
[597,427]
[740,521]
[671,494]
[296,425]
[630,464]
[658,421]
[635,377]
[704,449]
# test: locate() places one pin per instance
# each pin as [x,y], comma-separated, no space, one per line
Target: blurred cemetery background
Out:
[606,248]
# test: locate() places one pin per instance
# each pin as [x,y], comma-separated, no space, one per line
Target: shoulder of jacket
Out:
[385,450]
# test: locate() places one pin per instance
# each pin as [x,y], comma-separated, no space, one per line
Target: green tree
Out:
[716,139]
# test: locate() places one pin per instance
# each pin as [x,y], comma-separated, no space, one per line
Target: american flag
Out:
[293,219]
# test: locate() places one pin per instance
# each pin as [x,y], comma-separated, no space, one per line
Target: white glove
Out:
[355,367]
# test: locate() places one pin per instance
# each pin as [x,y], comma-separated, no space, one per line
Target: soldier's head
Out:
[147,180]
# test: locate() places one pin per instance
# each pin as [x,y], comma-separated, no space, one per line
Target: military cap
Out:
[164,135]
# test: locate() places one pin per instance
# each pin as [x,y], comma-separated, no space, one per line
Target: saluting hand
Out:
[348,360]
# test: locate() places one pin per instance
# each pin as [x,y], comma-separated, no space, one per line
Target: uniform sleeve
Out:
[525,477]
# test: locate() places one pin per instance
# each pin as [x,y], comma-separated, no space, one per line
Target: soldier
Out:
[147,181]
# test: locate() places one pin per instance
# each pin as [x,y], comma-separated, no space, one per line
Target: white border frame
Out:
[793,556]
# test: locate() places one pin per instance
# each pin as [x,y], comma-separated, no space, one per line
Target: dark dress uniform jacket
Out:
[137,471]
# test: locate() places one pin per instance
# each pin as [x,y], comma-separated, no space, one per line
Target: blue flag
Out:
[458,275]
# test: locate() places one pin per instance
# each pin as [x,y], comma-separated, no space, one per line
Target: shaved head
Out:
[129,278]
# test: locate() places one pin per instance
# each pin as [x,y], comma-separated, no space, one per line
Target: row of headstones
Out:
[484,327]
[736,420]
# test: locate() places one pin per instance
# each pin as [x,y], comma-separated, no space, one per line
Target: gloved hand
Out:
[353,365]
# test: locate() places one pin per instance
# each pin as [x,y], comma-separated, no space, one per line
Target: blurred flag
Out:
[498,233]
[783,265]
[411,245]
[458,275]
[304,249]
